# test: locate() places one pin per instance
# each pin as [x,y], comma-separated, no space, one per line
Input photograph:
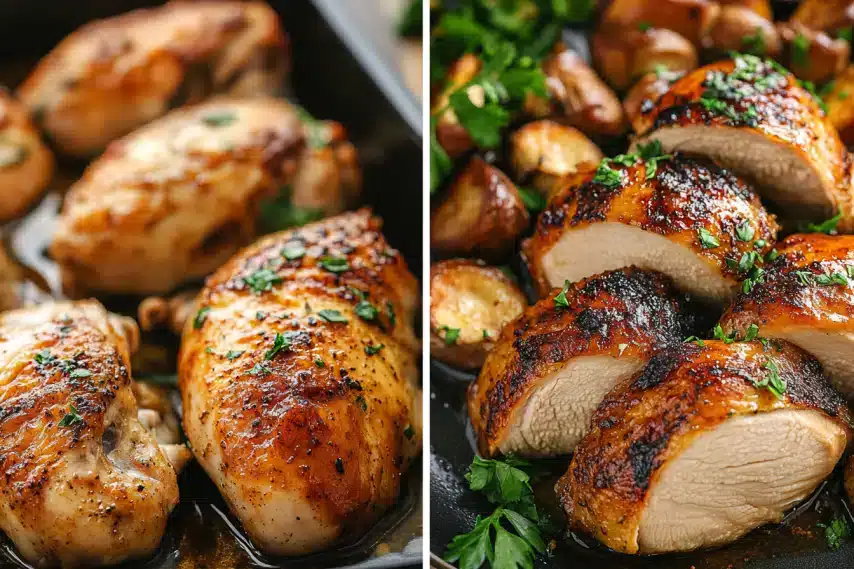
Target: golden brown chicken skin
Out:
[174,200]
[296,376]
[114,75]
[697,449]
[686,218]
[806,297]
[553,364]
[83,483]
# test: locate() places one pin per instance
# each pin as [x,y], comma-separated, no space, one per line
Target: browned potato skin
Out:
[782,300]
[490,300]
[840,105]
[825,15]
[761,7]
[684,196]
[643,95]
[543,152]
[689,18]
[26,164]
[736,23]
[482,214]
[684,390]
[449,132]
[825,58]
[581,98]
[622,55]
[114,75]
[542,339]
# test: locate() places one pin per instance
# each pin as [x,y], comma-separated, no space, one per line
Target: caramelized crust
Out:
[683,392]
[114,75]
[628,313]
[307,443]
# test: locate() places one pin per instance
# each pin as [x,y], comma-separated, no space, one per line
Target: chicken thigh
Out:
[296,376]
[83,483]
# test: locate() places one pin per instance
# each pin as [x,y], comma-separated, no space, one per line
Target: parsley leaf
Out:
[71,417]
[280,342]
[279,212]
[293,251]
[335,264]
[772,380]
[560,298]
[800,49]
[452,335]
[217,119]
[262,280]
[828,226]
[201,316]
[332,315]
[484,123]
[80,372]
[533,200]
[234,354]
[372,349]
[752,333]
[260,369]
[744,232]
[836,532]
[694,340]
[718,334]
[707,240]
[754,43]
[366,311]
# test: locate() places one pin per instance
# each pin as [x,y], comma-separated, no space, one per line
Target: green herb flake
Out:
[71,417]
[44,357]
[409,432]
[800,49]
[373,349]
[707,240]
[366,311]
[560,298]
[331,315]
[644,26]
[694,340]
[335,264]
[772,380]
[836,532]
[280,342]
[360,401]
[718,334]
[389,311]
[319,362]
[451,335]
[217,119]
[201,317]
[744,232]
[80,372]
[262,280]
[317,135]
[607,176]
[533,200]
[260,369]
[827,227]
[752,333]
[231,355]
[754,43]
[293,251]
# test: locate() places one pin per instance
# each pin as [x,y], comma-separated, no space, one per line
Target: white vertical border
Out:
[425,280]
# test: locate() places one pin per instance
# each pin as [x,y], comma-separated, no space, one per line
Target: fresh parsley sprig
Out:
[836,532]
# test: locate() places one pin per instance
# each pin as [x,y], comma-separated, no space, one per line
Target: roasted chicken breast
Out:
[706,443]
[174,200]
[111,76]
[752,117]
[552,366]
[689,219]
[297,381]
[83,482]
[807,298]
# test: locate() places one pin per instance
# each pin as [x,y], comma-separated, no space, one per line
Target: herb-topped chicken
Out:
[297,379]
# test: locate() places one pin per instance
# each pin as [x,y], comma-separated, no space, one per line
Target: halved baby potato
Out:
[761,7]
[739,28]
[812,55]
[840,105]
[452,137]
[825,15]
[689,18]
[470,303]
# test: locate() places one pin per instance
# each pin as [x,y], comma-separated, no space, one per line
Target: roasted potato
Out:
[449,132]
[812,55]
[482,214]
[689,18]
[642,96]
[738,28]
[470,303]
[825,15]
[584,100]
[621,56]
[761,7]
[840,105]
[544,151]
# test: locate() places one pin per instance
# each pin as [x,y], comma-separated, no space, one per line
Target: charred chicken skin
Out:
[112,76]
[552,366]
[706,443]
[296,376]
[83,482]
[686,218]
[174,200]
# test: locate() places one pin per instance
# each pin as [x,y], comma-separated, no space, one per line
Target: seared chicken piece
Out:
[552,366]
[470,303]
[840,105]
[26,164]
[83,483]
[688,219]
[643,95]
[296,376]
[752,118]
[706,443]
[174,200]
[111,76]
[807,298]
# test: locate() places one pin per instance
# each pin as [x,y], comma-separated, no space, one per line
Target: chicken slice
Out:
[114,75]
[688,219]
[552,366]
[706,443]
[83,482]
[296,376]
[174,200]
[807,298]
[752,117]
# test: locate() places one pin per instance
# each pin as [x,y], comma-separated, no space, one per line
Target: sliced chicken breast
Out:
[751,116]
[705,444]
[807,298]
[552,366]
[691,220]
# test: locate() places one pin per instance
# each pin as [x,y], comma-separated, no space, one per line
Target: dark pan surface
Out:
[330,83]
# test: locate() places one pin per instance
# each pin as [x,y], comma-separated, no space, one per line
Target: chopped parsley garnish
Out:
[652,154]
[707,240]
[335,264]
[389,311]
[293,251]
[607,176]
[409,432]
[80,372]
[835,532]
[219,118]
[451,335]
[718,334]
[644,26]
[372,349]
[71,417]
[260,369]
[827,227]
[279,212]
[319,362]
[754,43]
[262,280]
[280,342]
[360,401]
[772,380]
[234,354]
[744,232]
[752,76]
[44,357]
[201,317]
[800,49]
[752,333]
[560,298]
[808,278]
[366,311]
[533,200]
[694,340]
[331,315]
[260,315]
[845,33]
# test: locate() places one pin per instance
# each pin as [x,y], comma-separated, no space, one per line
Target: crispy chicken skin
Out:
[532,398]
[696,410]
[655,223]
[774,135]
[174,200]
[307,436]
[26,164]
[83,482]
[795,303]
[111,76]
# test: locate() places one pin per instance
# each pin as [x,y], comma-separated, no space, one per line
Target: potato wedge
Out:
[828,16]
[812,55]
[450,133]
[470,303]
[689,18]
[738,28]
[761,7]
[543,152]
[642,96]
[584,100]
[623,55]
[482,215]
[840,105]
